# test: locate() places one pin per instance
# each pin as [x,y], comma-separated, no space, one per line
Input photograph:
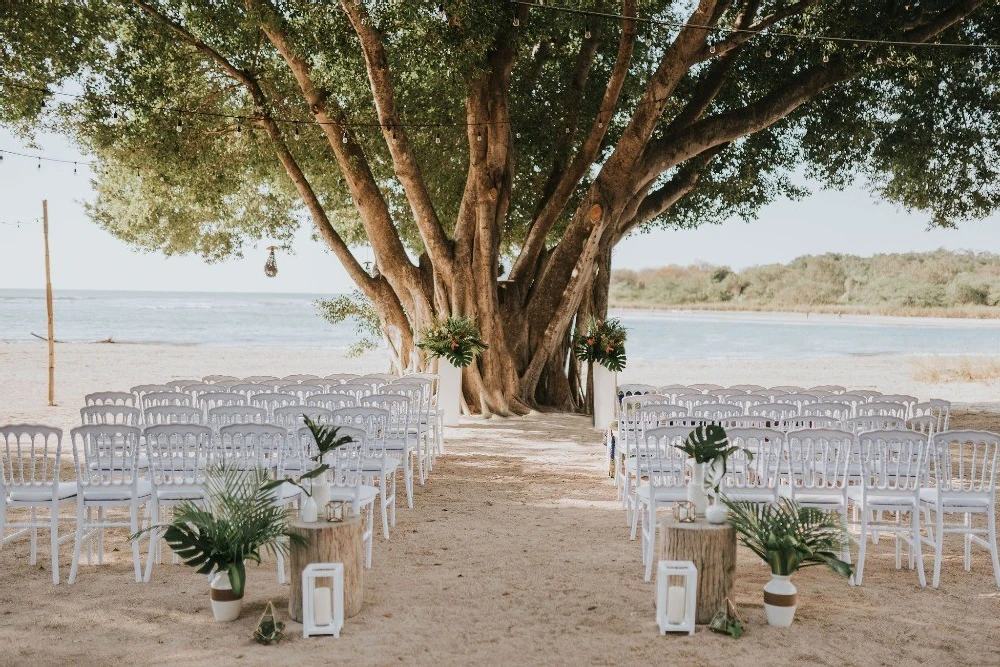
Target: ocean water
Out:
[260,320]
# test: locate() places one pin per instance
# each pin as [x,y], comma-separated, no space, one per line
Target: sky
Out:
[84,256]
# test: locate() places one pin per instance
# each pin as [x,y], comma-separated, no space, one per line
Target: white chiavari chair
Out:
[173,414]
[125,398]
[111,414]
[662,464]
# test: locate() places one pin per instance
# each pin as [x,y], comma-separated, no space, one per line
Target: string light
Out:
[344,138]
[297,136]
[586,32]
[180,126]
[239,130]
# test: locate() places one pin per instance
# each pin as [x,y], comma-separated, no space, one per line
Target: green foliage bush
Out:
[883,283]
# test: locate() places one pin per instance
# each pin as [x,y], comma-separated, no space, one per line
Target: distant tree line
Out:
[908,283]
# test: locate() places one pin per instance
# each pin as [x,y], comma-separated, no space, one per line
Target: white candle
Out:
[675,605]
[322,615]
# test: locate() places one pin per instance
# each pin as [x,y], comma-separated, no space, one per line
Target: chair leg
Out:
[968,541]
[408,479]
[77,539]
[859,572]
[102,516]
[34,536]
[154,518]
[641,507]
[916,546]
[992,537]
[280,558]
[650,539]
[54,541]
[938,545]
[134,528]
[392,509]
[384,504]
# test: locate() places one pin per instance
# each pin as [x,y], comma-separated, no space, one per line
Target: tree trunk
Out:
[712,549]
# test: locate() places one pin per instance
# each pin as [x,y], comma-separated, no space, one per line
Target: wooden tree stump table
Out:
[328,542]
[712,549]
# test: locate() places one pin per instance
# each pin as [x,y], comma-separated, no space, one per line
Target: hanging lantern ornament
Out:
[271,266]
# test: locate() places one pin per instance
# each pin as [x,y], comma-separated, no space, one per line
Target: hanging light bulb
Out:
[567,129]
[297,135]
[394,138]
[517,21]
[437,138]
[39,163]
[826,57]
[239,130]
[271,265]
[74,167]
[344,138]
[711,49]
[878,61]
[479,136]
[586,32]
[600,124]
[767,54]
[179,127]
[518,135]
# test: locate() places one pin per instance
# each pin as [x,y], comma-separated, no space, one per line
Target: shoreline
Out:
[982,314]
[800,317]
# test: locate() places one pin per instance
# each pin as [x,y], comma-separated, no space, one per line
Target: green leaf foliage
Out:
[357,308]
[789,537]
[456,339]
[239,519]
[602,342]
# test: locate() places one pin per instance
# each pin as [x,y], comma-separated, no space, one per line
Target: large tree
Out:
[492,154]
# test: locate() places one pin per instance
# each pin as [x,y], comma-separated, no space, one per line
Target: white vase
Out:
[696,488]
[307,509]
[449,392]
[605,396]
[225,605]
[321,492]
[717,513]
[780,600]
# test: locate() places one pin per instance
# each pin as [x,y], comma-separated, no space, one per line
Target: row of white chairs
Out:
[876,473]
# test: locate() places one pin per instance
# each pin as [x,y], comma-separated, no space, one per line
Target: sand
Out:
[515,553]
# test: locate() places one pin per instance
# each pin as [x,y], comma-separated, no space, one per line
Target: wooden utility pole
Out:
[48,305]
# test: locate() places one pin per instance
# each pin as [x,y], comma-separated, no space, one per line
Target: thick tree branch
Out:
[525,266]
[744,23]
[404,159]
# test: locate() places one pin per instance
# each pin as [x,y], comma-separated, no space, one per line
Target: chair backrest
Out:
[893,461]
[937,408]
[249,389]
[789,389]
[158,398]
[818,458]
[772,410]
[747,388]
[332,401]
[426,385]
[965,461]
[799,422]
[800,400]
[417,395]
[882,409]
[303,390]
[672,391]
[372,421]
[179,385]
[691,401]
[904,399]
[851,399]
[301,377]
[358,388]
[141,390]
[248,446]
[924,424]
[31,457]
[228,415]
[268,380]
[218,399]
[868,394]
[106,455]
[290,417]
[196,390]
[836,409]
[110,414]
[401,415]
[215,379]
[762,472]
[659,457]
[173,414]
[340,378]
[271,401]
[658,415]
[705,387]
[625,390]
[746,400]
[874,423]
[110,398]
[828,388]
[771,394]
[383,378]
[178,454]
[717,412]
[723,395]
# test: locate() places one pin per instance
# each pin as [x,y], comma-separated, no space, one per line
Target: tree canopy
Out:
[462,136]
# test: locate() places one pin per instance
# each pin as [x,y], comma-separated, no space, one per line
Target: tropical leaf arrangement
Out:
[602,342]
[327,440]
[456,339]
[709,444]
[239,520]
[789,537]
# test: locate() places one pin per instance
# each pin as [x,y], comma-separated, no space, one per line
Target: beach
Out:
[516,552]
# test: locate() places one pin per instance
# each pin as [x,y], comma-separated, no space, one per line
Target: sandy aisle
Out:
[514,554]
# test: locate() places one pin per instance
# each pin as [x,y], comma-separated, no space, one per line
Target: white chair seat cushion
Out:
[668,494]
[855,493]
[109,493]
[365,493]
[930,496]
[180,492]
[375,463]
[810,499]
[41,494]
[749,495]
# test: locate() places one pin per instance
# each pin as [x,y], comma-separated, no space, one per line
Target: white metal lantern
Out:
[676,604]
[322,608]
